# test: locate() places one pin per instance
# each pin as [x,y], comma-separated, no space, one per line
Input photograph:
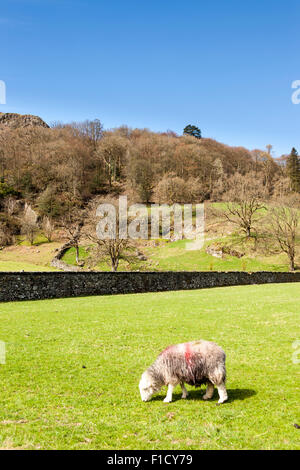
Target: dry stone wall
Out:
[48,285]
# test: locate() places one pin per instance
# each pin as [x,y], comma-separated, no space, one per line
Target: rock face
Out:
[15,121]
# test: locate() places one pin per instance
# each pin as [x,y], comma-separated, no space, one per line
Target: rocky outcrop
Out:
[141,256]
[218,251]
[15,121]
[213,251]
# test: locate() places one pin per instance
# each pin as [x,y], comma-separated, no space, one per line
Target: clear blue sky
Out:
[225,66]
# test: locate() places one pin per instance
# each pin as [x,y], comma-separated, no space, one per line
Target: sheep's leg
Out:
[168,398]
[185,393]
[222,393]
[209,392]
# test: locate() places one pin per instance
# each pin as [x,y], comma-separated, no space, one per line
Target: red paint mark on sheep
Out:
[188,353]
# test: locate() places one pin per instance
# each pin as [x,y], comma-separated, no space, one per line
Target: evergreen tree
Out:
[293,170]
[192,130]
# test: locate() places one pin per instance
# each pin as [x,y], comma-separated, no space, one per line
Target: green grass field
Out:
[175,257]
[21,266]
[72,370]
[24,257]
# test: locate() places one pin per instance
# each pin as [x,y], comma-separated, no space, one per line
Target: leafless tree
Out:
[11,205]
[245,200]
[111,150]
[73,227]
[112,248]
[284,221]
[48,228]
[29,225]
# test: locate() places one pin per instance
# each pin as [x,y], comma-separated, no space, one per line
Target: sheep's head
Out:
[146,386]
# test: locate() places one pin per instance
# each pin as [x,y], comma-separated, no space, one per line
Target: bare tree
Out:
[141,169]
[11,205]
[73,231]
[48,228]
[93,130]
[284,221]
[112,247]
[112,251]
[111,150]
[245,201]
[29,224]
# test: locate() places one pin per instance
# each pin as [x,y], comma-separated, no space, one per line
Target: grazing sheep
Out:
[194,363]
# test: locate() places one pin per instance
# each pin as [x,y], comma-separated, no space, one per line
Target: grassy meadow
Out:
[73,365]
[23,257]
[174,256]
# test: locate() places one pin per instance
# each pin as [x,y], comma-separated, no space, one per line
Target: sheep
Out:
[194,363]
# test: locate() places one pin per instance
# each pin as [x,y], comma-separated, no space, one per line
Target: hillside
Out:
[51,178]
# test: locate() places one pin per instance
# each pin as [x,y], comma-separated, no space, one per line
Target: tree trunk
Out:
[77,254]
[114,265]
[292,264]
